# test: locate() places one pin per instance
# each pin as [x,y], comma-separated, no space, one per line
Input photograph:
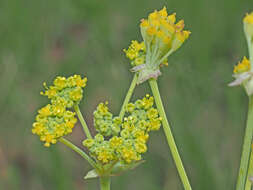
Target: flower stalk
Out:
[79,151]
[105,182]
[128,96]
[169,135]
[250,172]
[246,148]
[82,121]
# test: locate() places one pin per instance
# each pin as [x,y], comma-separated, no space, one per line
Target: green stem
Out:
[169,136]
[246,148]
[105,182]
[79,151]
[250,173]
[82,121]
[128,97]
[250,47]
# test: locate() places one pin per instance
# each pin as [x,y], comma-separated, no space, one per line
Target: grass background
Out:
[42,39]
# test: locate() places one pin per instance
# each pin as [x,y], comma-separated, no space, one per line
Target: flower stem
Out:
[246,148]
[79,151]
[82,121]
[128,97]
[250,48]
[169,136]
[105,182]
[250,172]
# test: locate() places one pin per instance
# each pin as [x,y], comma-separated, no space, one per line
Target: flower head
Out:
[243,71]
[243,76]
[53,122]
[125,141]
[162,35]
[66,91]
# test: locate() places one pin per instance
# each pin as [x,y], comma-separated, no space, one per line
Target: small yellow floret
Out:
[76,94]
[104,156]
[144,23]
[128,155]
[60,82]
[151,30]
[242,66]
[172,18]
[115,142]
[163,12]
[140,147]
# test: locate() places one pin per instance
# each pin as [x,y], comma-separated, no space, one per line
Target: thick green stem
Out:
[128,97]
[250,173]
[169,136]
[105,183]
[246,149]
[82,121]
[79,151]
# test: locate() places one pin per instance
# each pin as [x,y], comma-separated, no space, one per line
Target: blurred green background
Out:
[42,39]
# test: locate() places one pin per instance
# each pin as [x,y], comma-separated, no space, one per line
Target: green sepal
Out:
[91,174]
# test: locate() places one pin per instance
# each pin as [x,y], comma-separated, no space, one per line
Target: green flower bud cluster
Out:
[123,141]
[104,122]
[54,120]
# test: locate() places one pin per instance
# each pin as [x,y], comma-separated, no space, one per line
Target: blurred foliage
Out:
[42,39]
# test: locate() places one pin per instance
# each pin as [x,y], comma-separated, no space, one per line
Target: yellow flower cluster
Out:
[136,53]
[128,142]
[242,66]
[161,29]
[53,122]
[66,91]
[162,35]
